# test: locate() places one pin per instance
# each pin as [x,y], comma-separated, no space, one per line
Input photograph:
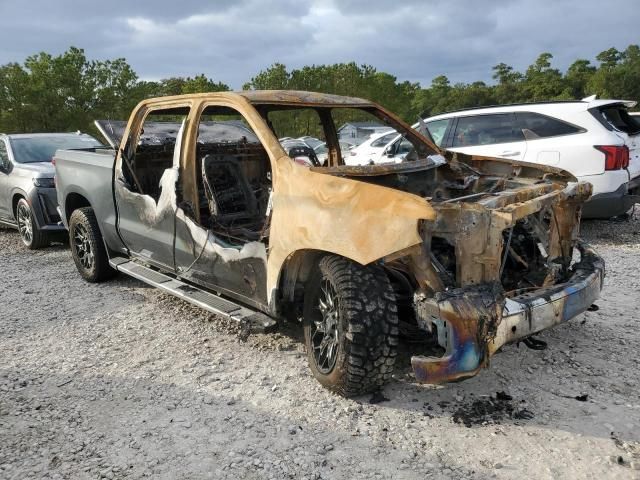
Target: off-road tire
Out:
[32,237]
[367,325]
[83,224]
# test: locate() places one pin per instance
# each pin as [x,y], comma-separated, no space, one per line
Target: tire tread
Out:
[370,342]
[102,270]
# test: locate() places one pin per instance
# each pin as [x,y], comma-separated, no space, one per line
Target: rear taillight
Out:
[615,157]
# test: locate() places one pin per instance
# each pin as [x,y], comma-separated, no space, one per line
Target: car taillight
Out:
[615,157]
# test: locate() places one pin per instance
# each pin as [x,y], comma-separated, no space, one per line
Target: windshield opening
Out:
[334,135]
[43,148]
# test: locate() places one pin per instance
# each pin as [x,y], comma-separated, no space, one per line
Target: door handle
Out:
[509,153]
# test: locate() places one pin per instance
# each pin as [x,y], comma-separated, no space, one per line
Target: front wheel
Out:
[87,247]
[30,234]
[350,326]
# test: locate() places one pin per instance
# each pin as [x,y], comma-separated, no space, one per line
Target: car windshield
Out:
[42,148]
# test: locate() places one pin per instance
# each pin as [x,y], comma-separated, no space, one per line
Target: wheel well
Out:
[296,271]
[14,202]
[73,202]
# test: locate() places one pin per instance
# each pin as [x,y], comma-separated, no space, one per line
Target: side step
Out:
[256,321]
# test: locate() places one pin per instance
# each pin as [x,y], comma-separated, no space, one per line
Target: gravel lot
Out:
[118,380]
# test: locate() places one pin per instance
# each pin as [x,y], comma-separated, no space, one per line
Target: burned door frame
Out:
[312,211]
[146,225]
[200,256]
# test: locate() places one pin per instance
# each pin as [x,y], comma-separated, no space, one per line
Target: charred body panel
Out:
[474,322]
[507,272]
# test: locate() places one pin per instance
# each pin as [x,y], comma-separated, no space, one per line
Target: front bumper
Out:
[475,322]
[44,203]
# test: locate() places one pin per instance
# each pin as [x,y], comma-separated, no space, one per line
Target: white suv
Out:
[595,140]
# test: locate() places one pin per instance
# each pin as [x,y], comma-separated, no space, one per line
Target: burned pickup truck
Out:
[462,254]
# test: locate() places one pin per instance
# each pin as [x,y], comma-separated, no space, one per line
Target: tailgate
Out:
[615,117]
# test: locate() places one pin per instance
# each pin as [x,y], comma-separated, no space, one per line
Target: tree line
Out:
[68,91]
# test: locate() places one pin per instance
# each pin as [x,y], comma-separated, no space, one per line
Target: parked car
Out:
[457,252]
[372,150]
[313,142]
[27,190]
[300,152]
[595,140]
[357,132]
[386,148]
[322,151]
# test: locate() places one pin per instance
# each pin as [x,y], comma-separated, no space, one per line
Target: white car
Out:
[322,151]
[313,142]
[373,150]
[595,140]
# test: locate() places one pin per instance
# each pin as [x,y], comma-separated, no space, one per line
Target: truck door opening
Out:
[146,186]
[233,177]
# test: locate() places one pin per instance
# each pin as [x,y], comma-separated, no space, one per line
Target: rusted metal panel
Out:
[353,219]
[294,97]
[468,318]
[480,319]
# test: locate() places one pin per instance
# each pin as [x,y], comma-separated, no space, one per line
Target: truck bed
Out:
[85,178]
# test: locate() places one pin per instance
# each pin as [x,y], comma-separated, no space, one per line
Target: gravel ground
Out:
[118,380]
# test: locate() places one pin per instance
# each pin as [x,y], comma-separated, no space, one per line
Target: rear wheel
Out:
[87,247]
[30,234]
[350,326]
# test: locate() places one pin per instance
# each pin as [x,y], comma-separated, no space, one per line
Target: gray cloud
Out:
[234,39]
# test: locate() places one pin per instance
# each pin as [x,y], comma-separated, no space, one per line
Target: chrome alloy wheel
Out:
[324,332]
[25,227]
[82,246]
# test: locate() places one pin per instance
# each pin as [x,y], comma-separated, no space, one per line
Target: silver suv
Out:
[27,189]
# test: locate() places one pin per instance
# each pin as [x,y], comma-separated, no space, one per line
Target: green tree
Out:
[578,76]
[68,91]
[541,82]
[275,77]
[618,75]
[509,85]
[64,92]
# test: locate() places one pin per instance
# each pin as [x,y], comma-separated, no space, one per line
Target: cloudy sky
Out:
[232,40]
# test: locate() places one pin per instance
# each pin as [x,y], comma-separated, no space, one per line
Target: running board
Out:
[256,321]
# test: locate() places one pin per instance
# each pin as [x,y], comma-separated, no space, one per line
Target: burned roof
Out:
[264,97]
[300,97]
